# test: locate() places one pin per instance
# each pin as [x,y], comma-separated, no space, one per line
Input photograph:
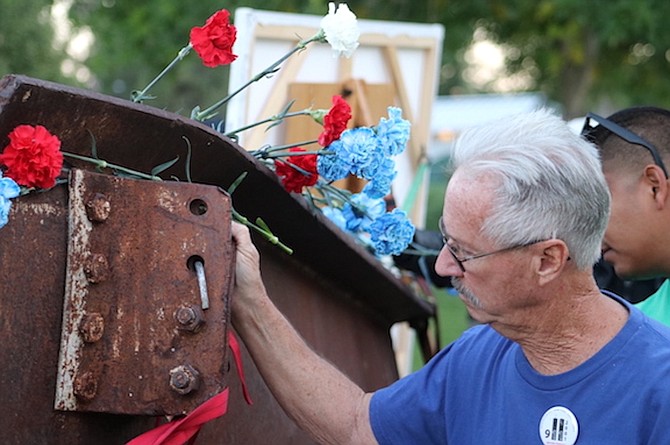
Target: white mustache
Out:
[466,293]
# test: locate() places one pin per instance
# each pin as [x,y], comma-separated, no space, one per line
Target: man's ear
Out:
[655,179]
[551,259]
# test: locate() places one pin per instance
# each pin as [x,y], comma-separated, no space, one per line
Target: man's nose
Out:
[445,265]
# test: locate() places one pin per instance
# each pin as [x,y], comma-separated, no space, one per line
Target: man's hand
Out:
[248,282]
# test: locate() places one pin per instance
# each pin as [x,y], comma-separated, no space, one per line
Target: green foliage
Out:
[136,40]
[26,37]
[581,54]
[588,52]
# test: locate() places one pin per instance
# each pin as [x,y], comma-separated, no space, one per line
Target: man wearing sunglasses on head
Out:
[635,150]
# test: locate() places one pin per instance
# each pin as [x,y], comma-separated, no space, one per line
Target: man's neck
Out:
[559,344]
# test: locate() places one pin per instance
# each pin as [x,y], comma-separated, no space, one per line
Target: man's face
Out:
[629,243]
[492,286]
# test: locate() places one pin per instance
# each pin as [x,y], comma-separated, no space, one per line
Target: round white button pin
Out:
[558,426]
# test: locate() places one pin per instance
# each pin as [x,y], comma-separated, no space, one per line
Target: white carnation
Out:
[341,29]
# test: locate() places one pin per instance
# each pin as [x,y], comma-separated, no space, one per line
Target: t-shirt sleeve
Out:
[412,409]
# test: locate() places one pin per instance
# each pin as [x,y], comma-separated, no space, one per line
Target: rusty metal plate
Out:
[143,332]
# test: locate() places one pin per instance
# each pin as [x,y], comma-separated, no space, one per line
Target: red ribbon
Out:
[237,356]
[179,431]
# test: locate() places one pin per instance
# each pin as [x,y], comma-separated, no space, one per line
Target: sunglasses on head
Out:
[623,133]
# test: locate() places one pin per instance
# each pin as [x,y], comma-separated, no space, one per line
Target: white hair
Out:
[551,182]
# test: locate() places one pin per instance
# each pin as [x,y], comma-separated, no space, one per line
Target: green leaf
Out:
[275,123]
[236,183]
[164,166]
[286,109]
[263,225]
[195,112]
[188,159]
[94,147]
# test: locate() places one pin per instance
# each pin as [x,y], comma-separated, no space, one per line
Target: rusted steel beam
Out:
[136,338]
[339,297]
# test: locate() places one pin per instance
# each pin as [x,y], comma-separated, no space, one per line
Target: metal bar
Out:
[202,283]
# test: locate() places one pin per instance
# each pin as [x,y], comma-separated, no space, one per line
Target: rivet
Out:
[85,386]
[92,327]
[98,208]
[184,379]
[96,268]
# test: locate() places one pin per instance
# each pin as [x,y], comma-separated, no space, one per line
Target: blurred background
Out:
[499,57]
[582,55]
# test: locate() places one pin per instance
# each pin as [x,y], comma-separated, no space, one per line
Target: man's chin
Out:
[629,273]
[623,266]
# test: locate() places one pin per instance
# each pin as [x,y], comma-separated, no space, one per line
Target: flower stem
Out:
[272,238]
[276,117]
[209,112]
[138,96]
[265,153]
[329,192]
[104,164]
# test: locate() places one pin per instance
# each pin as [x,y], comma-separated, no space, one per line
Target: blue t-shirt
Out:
[481,390]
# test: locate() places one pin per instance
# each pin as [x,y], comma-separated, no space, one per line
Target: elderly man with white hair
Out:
[554,360]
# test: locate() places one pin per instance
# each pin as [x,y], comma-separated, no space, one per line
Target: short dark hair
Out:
[650,123]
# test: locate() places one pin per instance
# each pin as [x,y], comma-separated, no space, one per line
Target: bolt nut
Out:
[96,268]
[92,327]
[184,379]
[85,386]
[98,208]
[190,318]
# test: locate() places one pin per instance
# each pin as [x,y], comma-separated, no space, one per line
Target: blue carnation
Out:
[391,233]
[361,149]
[354,218]
[393,132]
[8,190]
[376,160]
[333,165]
[372,208]
[336,216]
[380,185]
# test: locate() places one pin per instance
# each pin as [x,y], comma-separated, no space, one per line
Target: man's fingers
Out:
[240,232]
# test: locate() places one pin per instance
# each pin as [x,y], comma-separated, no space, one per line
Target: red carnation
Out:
[335,122]
[33,157]
[294,179]
[214,41]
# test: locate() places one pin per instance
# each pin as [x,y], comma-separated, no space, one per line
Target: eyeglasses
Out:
[459,260]
[623,133]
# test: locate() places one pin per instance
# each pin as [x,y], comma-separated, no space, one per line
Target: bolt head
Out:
[190,318]
[184,379]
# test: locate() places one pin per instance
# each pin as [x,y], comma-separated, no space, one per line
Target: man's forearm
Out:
[317,396]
